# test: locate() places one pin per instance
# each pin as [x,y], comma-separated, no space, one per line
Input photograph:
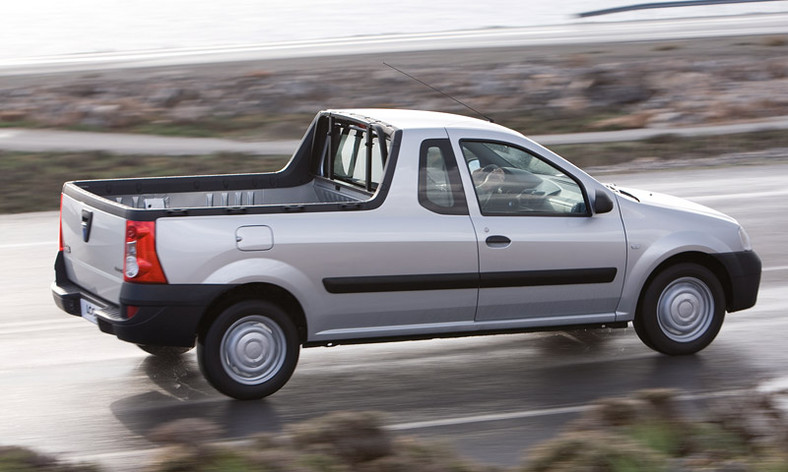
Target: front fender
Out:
[656,235]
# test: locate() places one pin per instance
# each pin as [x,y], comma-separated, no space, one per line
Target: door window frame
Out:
[576,180]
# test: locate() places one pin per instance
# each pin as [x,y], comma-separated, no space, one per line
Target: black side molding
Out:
[421,282]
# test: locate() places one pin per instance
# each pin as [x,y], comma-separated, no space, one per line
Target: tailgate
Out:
[93,242]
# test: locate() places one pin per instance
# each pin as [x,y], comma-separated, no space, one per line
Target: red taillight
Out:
[131,311]
[60,226]
[140,262]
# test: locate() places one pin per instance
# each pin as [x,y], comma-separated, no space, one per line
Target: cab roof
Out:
[418,119]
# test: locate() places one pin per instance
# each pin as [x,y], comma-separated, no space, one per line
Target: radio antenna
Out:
[440,92]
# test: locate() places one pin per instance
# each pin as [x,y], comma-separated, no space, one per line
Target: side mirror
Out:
[602,202]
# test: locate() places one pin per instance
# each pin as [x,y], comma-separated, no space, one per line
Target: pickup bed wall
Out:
[316,191]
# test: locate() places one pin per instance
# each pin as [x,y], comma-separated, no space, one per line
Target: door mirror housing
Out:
[602,202]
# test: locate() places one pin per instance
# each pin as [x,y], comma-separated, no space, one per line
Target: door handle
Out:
[87,224]
[498,241]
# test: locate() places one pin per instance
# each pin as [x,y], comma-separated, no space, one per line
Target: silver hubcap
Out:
[685,309]
[253,350]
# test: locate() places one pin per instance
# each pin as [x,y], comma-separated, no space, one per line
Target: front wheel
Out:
[250,351]
[682,310]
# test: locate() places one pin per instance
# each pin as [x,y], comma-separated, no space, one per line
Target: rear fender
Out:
[272,273]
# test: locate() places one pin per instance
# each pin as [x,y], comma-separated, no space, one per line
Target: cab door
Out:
[405,268]
[543,256]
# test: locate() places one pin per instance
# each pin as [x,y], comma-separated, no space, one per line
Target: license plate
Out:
[88,310]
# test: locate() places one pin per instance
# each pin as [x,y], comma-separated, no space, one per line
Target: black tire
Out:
[164,351]
[250,350]
[682,310]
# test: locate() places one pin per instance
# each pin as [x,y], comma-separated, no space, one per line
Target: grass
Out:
[19,124]
[669,147]
[259,126]
[654,434]
[291,126]
[18,459]
[32,181]
[248,127]
[530,122]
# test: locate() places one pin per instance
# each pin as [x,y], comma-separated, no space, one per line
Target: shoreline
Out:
[567,33]
[719,46]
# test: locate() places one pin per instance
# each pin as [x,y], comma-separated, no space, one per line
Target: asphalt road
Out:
[40,140]
[68,389]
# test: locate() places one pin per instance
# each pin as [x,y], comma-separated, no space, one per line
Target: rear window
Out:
[357,156]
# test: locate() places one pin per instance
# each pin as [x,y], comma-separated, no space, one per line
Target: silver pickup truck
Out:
[391,225]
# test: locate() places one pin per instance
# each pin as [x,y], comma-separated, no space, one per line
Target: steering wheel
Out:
[488,181]
[486,178]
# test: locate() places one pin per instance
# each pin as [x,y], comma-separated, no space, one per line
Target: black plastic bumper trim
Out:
[168,315]
[744,271]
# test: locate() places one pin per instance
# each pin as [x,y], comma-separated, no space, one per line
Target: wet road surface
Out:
[70,390]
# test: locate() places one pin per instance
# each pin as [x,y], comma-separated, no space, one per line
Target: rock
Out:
[655,90]
[664,119]
[101,116]
[189,113]
[756,417]
[171,96]
[634,120]
[83,89]
[13,115]
[356,437]
[574,104]
[619,87]
[187,431]
[108,115]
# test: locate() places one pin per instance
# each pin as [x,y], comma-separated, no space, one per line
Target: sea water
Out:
[33,28]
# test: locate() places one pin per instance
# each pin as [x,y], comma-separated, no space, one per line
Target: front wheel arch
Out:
[699,258]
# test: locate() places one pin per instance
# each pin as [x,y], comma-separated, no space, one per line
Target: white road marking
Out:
[122,459]
[31,244]
[538,413]
[742,196]
[488,418]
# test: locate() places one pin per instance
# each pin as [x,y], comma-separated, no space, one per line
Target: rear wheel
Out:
[682,310]
[250,351]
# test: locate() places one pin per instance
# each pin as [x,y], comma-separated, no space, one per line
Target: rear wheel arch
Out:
[256,291]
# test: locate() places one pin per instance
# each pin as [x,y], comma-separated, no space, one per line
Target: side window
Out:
[511,181]
[440,187]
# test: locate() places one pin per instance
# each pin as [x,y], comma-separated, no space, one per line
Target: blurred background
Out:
[687,100]
[48,27]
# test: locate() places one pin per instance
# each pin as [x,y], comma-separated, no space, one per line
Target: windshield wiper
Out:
[616,189]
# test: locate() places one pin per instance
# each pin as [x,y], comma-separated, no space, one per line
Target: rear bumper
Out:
[166,315]
[744,272]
